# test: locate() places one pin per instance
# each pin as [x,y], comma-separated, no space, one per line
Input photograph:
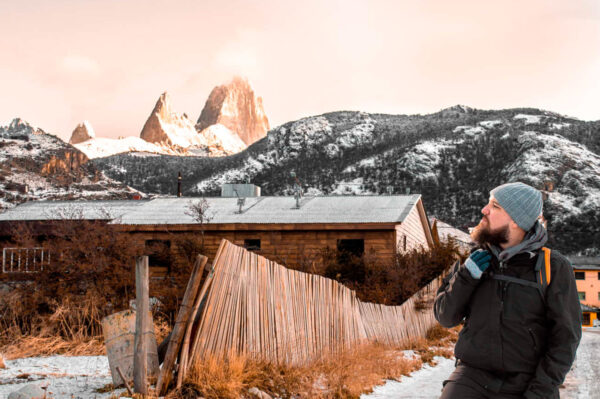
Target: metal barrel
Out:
[119,337]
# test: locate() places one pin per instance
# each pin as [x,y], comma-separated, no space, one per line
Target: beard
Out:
[482,234]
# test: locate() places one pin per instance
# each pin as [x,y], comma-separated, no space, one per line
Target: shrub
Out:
[91,274]
[389,284]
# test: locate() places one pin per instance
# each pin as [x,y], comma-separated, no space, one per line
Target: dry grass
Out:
[345,375]
[28,346]
[21,346]
[438,341]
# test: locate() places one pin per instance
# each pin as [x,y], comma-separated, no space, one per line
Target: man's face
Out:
[494,225]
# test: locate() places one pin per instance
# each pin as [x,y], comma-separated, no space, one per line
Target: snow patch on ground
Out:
[103,147]
[529,119]
[558,126]
[469,130]
[357,135]
[352,187]
[423,383]
[422,159]
[65,376]
[582,382]
[490,124]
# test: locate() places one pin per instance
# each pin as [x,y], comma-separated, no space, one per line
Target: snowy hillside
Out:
[37,165]
[103,147]
[453,158]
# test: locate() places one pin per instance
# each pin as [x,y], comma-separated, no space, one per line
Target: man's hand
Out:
[478,262]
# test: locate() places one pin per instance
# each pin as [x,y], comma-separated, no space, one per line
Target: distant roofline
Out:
[44,211]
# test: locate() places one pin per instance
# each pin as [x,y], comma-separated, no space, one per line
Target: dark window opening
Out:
[579,275]
[159,254]
[352,247]
[404,242]
[586,319]
[349,265]
[252,244]
[581,296]
[598,275]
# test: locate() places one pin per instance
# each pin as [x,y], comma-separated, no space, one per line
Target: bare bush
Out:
[90,275]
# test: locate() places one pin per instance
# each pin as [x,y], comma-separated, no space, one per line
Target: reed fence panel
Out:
[255,307]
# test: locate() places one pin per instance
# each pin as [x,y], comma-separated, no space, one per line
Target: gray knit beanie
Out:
[522,202]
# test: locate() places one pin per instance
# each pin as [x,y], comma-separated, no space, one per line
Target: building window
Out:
[598,275]
[581,296]
[159,255]
[579,275]
[252,244]
[352,247]
[599,296]
[404,243]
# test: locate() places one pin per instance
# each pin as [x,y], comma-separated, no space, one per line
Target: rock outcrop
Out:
[83,132]
[235,106]
[35,165]
[164,126]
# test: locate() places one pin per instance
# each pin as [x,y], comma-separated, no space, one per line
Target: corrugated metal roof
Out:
[583,261]
[61,210]
[263,210]
[256,210]
[445,231]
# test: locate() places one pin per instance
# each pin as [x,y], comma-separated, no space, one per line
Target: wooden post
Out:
[183,318]
[142,307]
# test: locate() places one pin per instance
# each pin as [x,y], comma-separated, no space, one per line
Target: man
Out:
[519,338]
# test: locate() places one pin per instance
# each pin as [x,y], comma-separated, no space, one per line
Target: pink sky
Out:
[107,61]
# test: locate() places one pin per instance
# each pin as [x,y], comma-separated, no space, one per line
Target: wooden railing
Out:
[24,260]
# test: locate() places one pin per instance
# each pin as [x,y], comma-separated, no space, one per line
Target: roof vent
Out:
[229,190]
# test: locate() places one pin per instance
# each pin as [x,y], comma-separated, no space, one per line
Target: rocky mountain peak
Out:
[18,125]
[83,132]
[166,126]
[236,106]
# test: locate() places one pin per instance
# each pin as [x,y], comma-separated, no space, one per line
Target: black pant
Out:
[462,384]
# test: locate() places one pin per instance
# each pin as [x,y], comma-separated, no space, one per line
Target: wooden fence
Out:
[250,305]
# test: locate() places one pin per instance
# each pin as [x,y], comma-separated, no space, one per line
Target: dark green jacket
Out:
[519,341]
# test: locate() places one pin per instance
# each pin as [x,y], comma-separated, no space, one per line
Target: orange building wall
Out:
[591,287]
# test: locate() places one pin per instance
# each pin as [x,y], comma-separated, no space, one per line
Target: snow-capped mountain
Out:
[452,157]
[236,107]
[174,131]
[37,165]
[232,118]
[165,132]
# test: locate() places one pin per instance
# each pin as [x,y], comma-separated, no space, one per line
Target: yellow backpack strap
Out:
[547,264]
[542,270]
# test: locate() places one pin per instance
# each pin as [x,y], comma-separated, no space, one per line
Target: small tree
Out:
[198,210]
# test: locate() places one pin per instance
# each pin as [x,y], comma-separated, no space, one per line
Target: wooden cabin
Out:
[288,230]
[443,232]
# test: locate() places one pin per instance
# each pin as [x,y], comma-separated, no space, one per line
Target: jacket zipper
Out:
[503,286]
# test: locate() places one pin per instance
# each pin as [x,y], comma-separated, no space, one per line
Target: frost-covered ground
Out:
[583,382]
[80,377]
[64,376]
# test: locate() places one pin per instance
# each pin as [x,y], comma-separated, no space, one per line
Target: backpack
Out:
[543,274]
